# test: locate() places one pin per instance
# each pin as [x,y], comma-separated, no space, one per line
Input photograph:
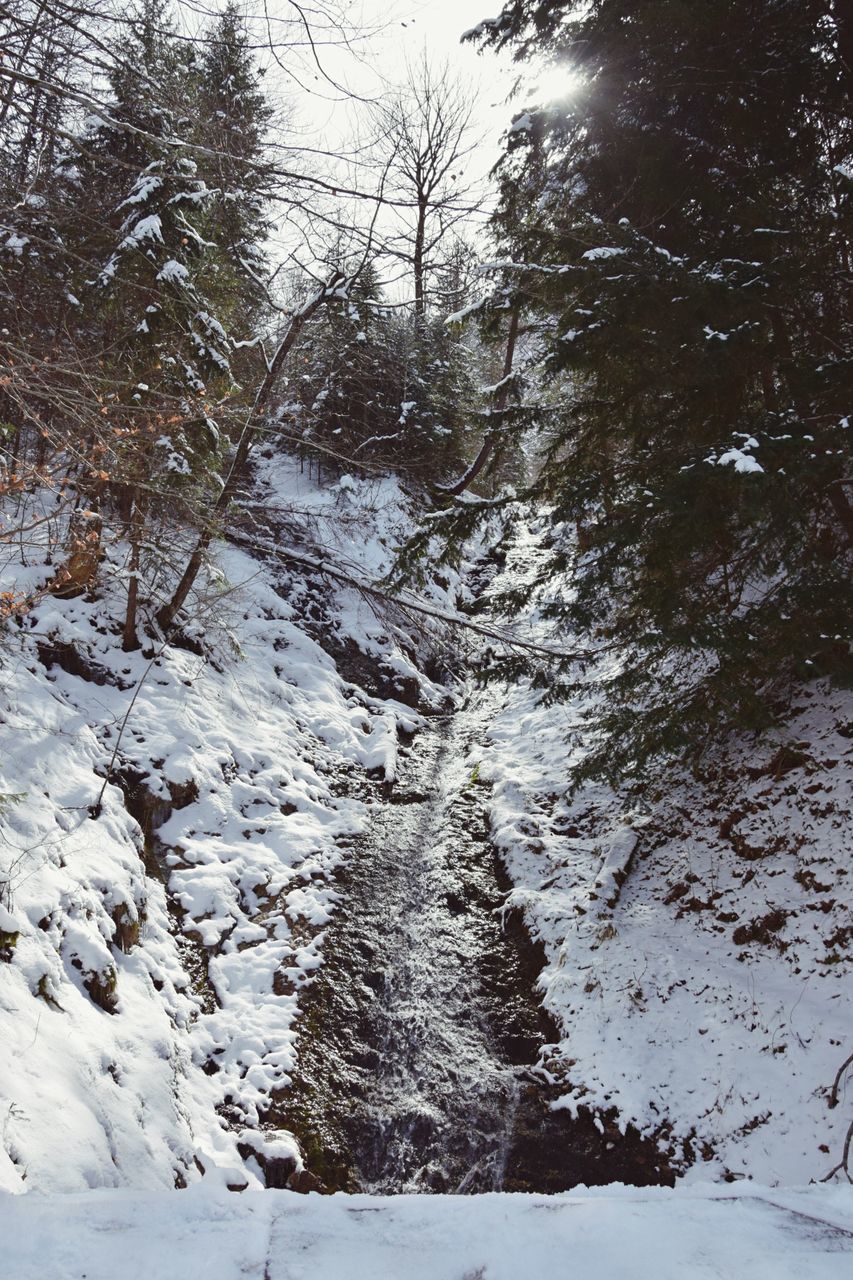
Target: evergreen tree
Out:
[375,385]
[232,115]
[157,261]
[681,226]
[439,393]
[350,379]
[173,167]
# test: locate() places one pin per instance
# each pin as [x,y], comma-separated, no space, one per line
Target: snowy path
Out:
[612,1234]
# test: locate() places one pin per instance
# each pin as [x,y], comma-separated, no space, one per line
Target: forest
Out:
[426,533]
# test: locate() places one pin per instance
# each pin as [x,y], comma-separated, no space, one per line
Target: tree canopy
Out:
[676,229]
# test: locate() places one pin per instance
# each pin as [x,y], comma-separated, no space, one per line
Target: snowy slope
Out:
[699,949]
[609,1234]
[149,992]
[698,952]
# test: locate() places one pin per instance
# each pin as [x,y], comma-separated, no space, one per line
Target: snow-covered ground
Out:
[143,1036]
[699,951]
[149,995]
[610,1234]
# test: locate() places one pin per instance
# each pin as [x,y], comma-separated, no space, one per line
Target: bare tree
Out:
[427,128]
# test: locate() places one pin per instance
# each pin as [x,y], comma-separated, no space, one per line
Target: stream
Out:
[420,1037]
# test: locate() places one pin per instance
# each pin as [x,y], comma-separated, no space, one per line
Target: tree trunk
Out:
[418,265]
[166,616]
[501,398]
[130,638]
[842,507]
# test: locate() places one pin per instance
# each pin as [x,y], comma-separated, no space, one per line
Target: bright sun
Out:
[555,84]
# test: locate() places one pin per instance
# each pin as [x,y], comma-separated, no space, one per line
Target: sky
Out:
[332,93]
[438,25]
[330,88]
[397,34]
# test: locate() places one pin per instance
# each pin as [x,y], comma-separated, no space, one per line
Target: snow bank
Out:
[610,1234]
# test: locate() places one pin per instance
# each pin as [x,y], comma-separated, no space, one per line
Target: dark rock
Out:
[304,1181]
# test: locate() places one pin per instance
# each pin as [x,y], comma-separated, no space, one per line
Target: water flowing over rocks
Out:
[420,1039]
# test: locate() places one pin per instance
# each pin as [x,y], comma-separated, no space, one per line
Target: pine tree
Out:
[232,115]
[350,380]
[179,252]
[681,225]
[439,394]
[377,385]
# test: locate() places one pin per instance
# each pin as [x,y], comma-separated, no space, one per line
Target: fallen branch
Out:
[96,809]
[413,603]
[335,287]
[843,1165]
[613,872]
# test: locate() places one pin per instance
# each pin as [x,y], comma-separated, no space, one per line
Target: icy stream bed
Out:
[420,1039]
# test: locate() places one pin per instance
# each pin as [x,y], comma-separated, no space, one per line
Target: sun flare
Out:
[555,83]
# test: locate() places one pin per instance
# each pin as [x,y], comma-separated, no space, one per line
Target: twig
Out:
[96,807]
[405,601]
[843,1165]
[836,1084]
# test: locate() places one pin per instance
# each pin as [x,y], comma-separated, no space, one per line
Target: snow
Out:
[212,325]
[173,272]
[208,1233]
[695,957]
[480,30]
[144,188]
[148,228]
[465,311]
[697,962]
[737,456]
[195,1024]
[173,460]
[742,462]
[607,251]
[8,922]
[16,244]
